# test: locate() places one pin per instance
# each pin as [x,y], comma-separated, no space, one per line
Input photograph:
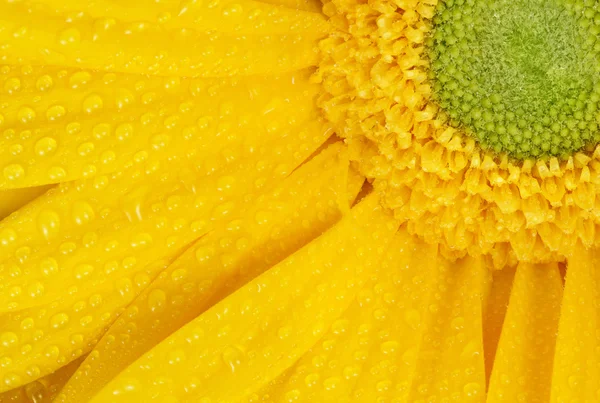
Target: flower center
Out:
[519,76]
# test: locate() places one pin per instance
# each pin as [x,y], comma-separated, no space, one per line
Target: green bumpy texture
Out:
[520,76]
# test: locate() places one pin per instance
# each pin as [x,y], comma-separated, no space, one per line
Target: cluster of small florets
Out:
[520,76]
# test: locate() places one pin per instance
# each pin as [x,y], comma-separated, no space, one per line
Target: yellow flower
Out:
[282,200]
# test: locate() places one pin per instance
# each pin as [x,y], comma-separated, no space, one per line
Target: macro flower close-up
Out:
[374,201]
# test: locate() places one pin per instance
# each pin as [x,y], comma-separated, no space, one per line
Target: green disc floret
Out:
[521,76]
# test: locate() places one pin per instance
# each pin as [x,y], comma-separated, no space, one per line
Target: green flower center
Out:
[520,76]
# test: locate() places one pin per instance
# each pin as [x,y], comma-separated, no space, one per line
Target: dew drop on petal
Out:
[45,146]
[13,172]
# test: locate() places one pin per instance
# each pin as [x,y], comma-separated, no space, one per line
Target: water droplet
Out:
[124,131]
[69,36]
[12,380]
[27,324]
[164,17]
[574,381]
[73,128]
[351,371]
[339,326]
[311,380]
[101,131]
[176,356]
[178,275]
[142,240]
[33,371]
[412,317]
[52,352]
[14,271]
[49,266]
[83,270]
[123,98]
[389,347]
[16,149]
[7,236]
[225,183]
[5,362]
[172,84]
[160,141]
[292,396]
[45,146]
[36,289]
[89,171]
[141,280]
[331,383]
[383,386]
[102,25]
[20,32]
[284,332]
[124,287]
[95,300]
[108,157]
[129,262]
[92,103]
[56,174]
[59,320]
[13,172]
[14,291]
[76,339]
[156,300]
[86,320]
[82,212]
[12,85]
[232,10]
[472,390]
[262,217]
[8,339]
[79,79]
[48,223]
[132,203]
[203,253]
[232,356]
[67,248]
[55,112]
[86,149]
[22,254]
[44,83]
[111,267]
[171,122]
[26,114]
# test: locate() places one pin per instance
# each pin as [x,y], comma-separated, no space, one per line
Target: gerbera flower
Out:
[284,200]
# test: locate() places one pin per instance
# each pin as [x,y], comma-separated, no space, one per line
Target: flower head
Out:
[283,200]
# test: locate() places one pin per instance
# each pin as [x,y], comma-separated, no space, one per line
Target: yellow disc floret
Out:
[436,177]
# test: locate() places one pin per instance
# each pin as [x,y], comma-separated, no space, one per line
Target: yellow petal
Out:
[450,362]
[495,306]
[39,341]
[42,35]
[302,207]
[315,6]
[73,281]
[12,200]
[133,216]
[43,390]
[243,17]
[523,363]
[370,352]
[255,334]
[576,375]
[88,123]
